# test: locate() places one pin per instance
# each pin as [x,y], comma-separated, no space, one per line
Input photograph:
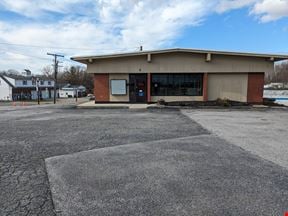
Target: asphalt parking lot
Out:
[123,162]
[31,134]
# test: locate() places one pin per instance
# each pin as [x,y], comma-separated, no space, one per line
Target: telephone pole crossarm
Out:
[55,71]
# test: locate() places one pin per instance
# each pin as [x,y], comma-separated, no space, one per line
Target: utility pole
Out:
[76,98]
[55,71]
[38,90]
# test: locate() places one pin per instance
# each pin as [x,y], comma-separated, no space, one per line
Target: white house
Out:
[70,91]
[19,87]
[5,89]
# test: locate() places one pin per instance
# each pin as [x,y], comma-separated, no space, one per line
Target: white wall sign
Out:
[118,87]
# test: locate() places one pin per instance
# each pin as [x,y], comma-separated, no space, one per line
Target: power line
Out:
[30,56]
[42,58]
[55,47]
[40,46]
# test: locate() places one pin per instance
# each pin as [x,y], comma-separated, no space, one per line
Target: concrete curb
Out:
[102,107]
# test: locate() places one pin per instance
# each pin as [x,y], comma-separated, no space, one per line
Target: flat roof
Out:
[274,57]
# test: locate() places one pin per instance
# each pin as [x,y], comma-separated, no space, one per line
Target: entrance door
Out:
[137,88]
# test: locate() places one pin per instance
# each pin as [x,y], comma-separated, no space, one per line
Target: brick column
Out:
[205,87]
[148,87]
[255,88]
[101,88]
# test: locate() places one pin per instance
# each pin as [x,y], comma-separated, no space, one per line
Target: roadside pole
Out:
[56,62]
[37,90]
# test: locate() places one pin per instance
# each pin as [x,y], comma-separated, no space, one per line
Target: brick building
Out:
[179,75]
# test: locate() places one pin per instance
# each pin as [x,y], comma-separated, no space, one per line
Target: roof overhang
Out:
[7,81]
[89,59]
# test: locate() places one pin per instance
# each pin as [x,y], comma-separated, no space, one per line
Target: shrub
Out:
[223,102]
[161,102]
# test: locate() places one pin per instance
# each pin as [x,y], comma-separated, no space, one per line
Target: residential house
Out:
[5,89]
[21,87]
[70,91]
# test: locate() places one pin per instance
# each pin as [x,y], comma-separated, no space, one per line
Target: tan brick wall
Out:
[182,63]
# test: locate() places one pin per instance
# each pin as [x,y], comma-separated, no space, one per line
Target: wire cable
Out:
[55,47]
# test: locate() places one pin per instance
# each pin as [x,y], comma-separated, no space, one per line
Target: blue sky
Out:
[237,31]
[31,28]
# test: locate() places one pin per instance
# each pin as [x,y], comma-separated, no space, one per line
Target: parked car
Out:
[91,97]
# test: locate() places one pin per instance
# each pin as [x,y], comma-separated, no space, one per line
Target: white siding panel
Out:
[5,91]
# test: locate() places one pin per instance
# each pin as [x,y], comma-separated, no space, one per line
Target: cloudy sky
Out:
[31,28]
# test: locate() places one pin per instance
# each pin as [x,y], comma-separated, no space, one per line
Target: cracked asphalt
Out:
[29,135]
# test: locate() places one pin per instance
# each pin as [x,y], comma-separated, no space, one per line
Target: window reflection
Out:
[176,84]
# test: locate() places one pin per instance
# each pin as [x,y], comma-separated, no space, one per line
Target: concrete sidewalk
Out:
[196,175]
[263,133]
[92,105]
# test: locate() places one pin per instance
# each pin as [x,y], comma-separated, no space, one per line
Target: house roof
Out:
[61,85]
[272,57]
[21,77]
[7,81]
[69,86]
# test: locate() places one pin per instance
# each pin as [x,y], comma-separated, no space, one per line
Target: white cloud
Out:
[34,8]
[119,25]
[68,34]
[270,10]
[111,25]
[265,10]
[16,56]
[227,5]
[154,28]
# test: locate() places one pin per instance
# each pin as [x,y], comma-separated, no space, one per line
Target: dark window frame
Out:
[177,84]
[24,82]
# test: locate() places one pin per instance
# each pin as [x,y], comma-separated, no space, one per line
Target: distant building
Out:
[70,91]
[5,89]
[20,87]
[276,86]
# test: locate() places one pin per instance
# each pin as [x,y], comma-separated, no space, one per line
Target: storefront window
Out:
[176,84]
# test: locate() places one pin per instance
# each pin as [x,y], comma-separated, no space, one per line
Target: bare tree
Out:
[76,75]
[48,71]
[280,73]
